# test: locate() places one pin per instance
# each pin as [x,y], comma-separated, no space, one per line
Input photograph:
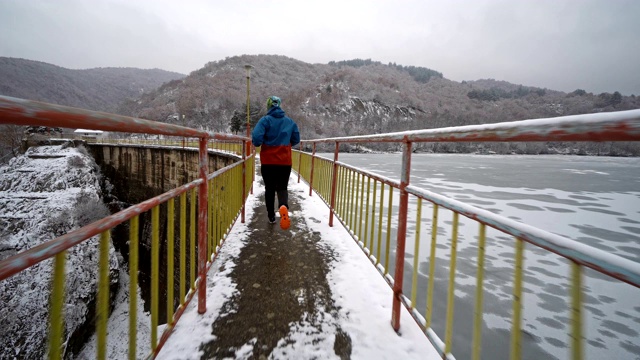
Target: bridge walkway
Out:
[307,292]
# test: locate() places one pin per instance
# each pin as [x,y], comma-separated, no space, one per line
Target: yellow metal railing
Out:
[360,207]
[225,202]
[200,201]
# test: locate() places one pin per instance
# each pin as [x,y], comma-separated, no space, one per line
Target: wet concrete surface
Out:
[281,278]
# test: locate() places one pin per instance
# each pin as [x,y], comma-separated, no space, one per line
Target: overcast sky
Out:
[557,44]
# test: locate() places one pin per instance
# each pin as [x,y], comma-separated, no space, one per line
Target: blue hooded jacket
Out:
[276,133]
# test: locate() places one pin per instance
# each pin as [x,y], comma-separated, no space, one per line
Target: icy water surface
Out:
[593,200]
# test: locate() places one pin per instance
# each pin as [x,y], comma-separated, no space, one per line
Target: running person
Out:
[276,133]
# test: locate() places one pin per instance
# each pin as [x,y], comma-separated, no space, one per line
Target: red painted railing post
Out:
[313,157]
[244,179]
[402,235]
[334,182]
[202,228]
[299,161]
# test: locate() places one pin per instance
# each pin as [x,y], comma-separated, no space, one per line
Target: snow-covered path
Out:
[359,292]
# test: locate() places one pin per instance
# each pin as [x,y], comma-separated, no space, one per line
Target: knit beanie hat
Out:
[273,101]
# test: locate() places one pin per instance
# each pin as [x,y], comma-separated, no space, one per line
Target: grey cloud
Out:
[562,45]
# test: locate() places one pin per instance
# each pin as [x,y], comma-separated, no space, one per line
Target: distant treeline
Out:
[495,94]
[610,148]
[419,74]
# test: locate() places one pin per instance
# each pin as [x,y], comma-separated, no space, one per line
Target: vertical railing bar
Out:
[133,285]
[215,182]
[299,161]
[373,216]
[210,236]
[516,322]
[403,209]
[334,179]
[452,284]
[416,253]
[303,167]
[192,239]
[359,222]
[388,243]
[366,215]
[220,209]
[341,171]
[354,200]
[223,184]
[244,182]
[339,212]
[350,199]
[309,158]
[228,212]
[232,196]
[380,223]
[183,254]
[345,197]
[576,311]
[219,224]
[313,157]
[170,260]
[477,323]
[320,178]
[238,198]
[307,165]
[432,264]
[226,203]
[202,227]
[56,302]
[324,179]
[103,297]
[155,252]
[329,176]
[220,219]
[322,171]
[329,182]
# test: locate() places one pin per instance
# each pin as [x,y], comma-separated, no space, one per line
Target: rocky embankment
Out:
[45,193]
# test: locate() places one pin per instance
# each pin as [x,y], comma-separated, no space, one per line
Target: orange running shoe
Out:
[285,222]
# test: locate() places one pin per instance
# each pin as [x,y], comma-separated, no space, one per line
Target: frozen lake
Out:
[593,200]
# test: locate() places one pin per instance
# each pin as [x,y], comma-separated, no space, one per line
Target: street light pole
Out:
[183,138]
[248,69]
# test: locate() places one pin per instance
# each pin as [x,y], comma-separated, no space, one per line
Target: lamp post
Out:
[183,138]
[248,69]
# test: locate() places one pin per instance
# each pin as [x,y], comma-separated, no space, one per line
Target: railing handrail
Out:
[613,265]
[30,113]
[611,126]
[340,192]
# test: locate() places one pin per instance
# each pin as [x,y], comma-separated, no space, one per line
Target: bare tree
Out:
[10,139]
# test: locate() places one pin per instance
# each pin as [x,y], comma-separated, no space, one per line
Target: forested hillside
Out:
[348,97]
[102,89]
[363,96]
